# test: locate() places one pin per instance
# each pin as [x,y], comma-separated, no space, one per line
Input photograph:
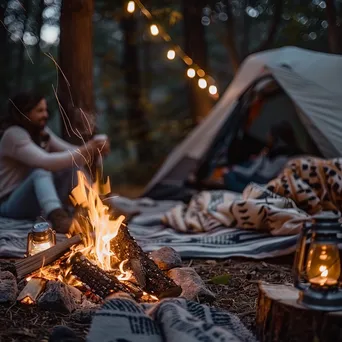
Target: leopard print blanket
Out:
[305,187]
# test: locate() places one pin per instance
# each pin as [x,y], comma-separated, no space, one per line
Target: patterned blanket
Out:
[170,320]
[262,223]
[305,187]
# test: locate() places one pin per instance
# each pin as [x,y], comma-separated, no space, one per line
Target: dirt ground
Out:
[239,296]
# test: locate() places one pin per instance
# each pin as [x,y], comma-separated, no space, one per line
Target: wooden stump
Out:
[280,318]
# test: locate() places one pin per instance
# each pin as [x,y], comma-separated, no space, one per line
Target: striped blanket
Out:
[263,223]
[151,234]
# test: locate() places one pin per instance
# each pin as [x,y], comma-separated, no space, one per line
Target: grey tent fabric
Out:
[309,78]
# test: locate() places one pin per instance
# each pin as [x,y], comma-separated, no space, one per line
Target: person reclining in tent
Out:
[282,145]
[36,167]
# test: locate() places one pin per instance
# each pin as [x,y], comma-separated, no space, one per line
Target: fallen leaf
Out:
[220,280]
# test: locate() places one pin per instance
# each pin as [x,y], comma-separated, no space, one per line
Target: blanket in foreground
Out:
[170,320]
[306,186]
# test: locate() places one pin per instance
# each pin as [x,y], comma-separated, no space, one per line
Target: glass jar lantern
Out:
[40,238]
[318,265]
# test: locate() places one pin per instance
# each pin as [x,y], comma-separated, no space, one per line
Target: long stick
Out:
[35,262]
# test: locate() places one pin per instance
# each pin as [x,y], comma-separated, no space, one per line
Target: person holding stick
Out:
[37,168]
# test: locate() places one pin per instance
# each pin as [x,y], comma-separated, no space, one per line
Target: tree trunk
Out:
[39,22]
[196,48]
[231,39]
[334,31]
[4,59]
[267,43]
[245,31]
[147,58]
[21,58]
[138,126]
[280,318]
[75,85]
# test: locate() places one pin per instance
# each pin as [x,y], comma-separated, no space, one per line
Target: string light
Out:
[213,90]
[200,73]
[171,54]
[187,60]
[131,7]
[193,69]
[154,30]
[202,83]
[191,73]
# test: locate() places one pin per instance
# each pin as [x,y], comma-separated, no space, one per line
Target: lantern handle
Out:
[29,244]
[53,236]
[300,254]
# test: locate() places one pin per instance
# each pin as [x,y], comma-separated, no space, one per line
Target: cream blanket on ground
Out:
[306,186]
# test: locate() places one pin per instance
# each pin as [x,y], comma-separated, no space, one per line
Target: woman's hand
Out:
[93,146]
[105,149]
[103,140]
[93,149]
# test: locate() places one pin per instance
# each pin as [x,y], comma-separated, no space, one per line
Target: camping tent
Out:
[310,80]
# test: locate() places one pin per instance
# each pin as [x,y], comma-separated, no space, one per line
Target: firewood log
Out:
[35,262]
[94,278]
[148,275]
[31,291]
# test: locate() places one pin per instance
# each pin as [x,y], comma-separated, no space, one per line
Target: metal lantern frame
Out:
[322,230]
[40,233]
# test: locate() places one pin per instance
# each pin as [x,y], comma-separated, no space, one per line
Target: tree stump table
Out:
[280,318]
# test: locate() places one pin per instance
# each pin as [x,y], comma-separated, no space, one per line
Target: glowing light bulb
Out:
[154,30]
[213,90]
[187,60]
[202,83]
[131,7]
[171,54]
[191,73]
[200,73]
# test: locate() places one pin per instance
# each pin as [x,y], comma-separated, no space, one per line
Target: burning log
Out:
[147,273]
[134,289]
[32,290]
[35,262]
[94,278]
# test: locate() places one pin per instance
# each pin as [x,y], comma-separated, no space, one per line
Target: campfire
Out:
[99,257]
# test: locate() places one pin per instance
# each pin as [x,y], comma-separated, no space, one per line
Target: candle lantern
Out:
[40,238]
[317,264]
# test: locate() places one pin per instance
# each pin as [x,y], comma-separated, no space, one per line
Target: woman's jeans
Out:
[39,194]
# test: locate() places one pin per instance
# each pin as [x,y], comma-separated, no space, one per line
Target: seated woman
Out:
[36,167]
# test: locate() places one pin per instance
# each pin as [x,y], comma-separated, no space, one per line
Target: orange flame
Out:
[125,275]
[97,227]
[27,300]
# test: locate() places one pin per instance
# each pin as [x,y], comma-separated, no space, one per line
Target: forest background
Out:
[120,75]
